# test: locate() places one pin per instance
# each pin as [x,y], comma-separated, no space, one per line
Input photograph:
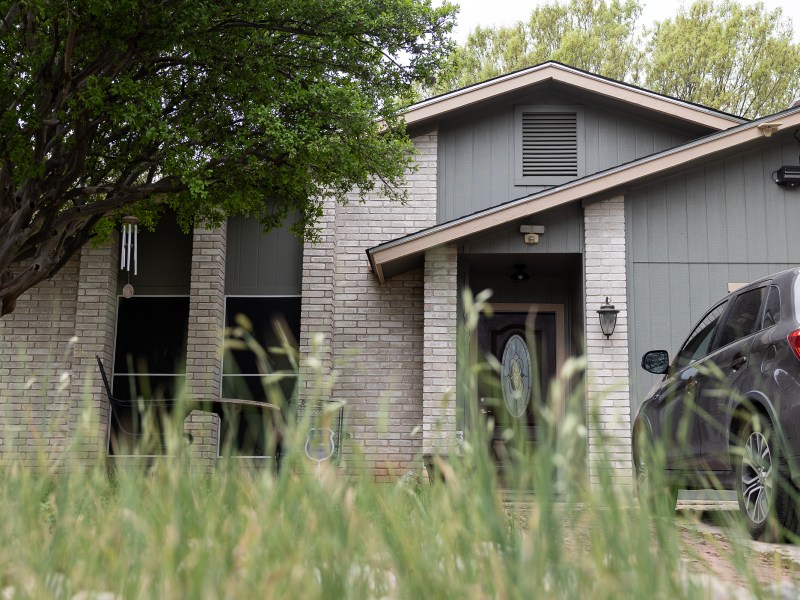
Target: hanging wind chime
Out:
[130,237]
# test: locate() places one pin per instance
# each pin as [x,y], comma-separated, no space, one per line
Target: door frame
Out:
[533,309]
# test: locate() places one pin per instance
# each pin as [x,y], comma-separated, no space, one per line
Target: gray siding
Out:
[477,158]
[260,264]
[563,234]
[165,261]
[692,234]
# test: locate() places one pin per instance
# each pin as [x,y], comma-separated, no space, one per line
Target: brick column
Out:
[205,338]
[95,319]
[317,304]
[439,350]
[608,394]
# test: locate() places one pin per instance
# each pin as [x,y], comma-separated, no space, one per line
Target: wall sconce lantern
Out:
[608,318]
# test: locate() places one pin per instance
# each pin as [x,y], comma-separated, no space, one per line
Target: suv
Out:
[726,414]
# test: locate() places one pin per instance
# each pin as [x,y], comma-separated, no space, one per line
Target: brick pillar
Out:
[95,319]
[439,350]
[317,304]
[205,338]
[608,394]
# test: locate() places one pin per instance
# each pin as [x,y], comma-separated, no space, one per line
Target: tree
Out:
[736,58]
[210,107]
[739,59]
[593,35]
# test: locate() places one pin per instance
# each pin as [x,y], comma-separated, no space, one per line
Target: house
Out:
[553,187]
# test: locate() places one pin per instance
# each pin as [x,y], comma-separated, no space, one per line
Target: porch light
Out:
[520,274]
[608,318]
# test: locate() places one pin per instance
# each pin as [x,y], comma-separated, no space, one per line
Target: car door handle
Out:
[738,362]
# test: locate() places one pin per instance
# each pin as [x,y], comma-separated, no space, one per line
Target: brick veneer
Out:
[376,332]
[94,332]
[205,338]
[36,355]
[439,350]
[608,393]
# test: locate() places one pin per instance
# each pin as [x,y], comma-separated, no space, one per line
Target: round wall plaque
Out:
[516,377]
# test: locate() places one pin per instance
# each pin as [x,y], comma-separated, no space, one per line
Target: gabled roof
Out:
[439,106]
[401,250]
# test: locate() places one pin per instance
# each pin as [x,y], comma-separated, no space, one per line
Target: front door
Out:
[526,345]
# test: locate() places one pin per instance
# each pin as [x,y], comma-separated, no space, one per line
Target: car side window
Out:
[699,342]
[772,312]
[743,316]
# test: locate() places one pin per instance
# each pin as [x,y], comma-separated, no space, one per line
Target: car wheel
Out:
[652,487]
[763,488]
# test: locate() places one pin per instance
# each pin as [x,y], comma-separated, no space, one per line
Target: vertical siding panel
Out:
[657,222]
[234,251]
[700,298]
[715,208]
[679,305]
[775,216]
[644,141]
[248,258]
[591,139]
[660,299]
[734,197]
[608,145]
[502,158]
[697,216]
[636,212]
[626,139]
[755,208]
[718,279]
[463,165]
[481,161]
[677,244]
[790,199]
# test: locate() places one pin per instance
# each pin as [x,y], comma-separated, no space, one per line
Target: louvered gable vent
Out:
[549,144]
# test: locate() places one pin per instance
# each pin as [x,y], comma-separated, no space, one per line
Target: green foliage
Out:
[593,35]
[260,107]
[740,59]
[725,55]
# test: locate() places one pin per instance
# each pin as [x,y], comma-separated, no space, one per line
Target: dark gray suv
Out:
[727,412]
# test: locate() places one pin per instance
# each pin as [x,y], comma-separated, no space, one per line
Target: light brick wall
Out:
[439,350]
[95,320]
[317,302]
[377,330]
[35,369]
[608,387]
[205,337]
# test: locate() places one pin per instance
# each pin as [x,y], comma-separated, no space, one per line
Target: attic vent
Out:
[549,144]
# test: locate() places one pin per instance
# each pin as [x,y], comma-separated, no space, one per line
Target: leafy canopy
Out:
[210,107]
[739,59]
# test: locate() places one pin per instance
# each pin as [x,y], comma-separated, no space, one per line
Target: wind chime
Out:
[130,237]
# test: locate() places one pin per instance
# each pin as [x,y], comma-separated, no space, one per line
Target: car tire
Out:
[654,491]
[766,495]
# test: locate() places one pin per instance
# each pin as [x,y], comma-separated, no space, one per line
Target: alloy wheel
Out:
[757,480]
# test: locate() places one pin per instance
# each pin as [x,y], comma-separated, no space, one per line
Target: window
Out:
[772,312]
[549,144]
[742,320]
[150,352]
[271,323]
[699,342]
[149,361]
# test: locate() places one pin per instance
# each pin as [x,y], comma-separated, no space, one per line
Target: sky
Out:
[505,12]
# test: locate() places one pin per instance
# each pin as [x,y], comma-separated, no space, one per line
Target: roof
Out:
[439,106]
[400,250]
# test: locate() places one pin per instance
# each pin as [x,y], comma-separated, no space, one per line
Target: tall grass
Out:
[328,531]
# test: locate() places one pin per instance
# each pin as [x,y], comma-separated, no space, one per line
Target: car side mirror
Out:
[656,362]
